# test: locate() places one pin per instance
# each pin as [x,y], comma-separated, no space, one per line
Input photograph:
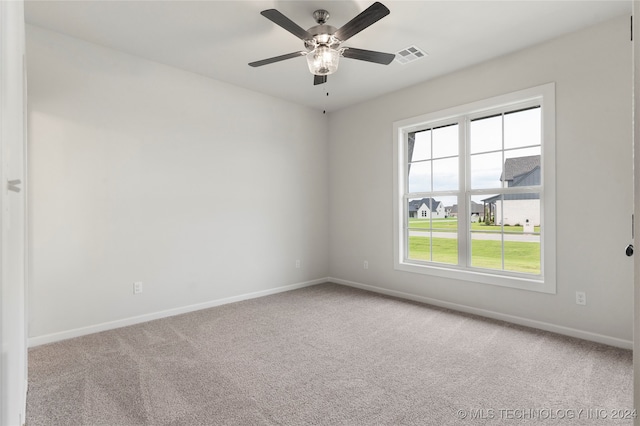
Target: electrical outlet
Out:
[366,264]
[137,287]
[581,298]
[298,264]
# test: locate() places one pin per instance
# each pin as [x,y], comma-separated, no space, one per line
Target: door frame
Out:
[13,329]
[636,197]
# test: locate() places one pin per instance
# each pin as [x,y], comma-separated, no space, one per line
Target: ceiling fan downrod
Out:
[321,16]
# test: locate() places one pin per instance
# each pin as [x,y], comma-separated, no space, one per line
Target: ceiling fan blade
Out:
[277,59]
[368,55]
[278,18]
[367,17]
[319,79]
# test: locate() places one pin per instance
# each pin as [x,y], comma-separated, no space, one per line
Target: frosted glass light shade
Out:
[323,60]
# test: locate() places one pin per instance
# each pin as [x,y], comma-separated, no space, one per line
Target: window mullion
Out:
[405,198]
[431,197]
[504,171]
[463,197]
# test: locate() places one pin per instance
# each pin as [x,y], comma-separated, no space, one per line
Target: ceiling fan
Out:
[322,42]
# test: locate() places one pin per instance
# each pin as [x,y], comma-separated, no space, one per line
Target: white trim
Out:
[481,276]
[635,108]
[13,363]
[527,322]
[546,281]
[111,325]
[498,103]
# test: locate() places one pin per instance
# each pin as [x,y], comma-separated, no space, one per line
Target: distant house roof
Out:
[514,167]
[476,208]
[519,171]
[531,177]
[430,202]
[512,197]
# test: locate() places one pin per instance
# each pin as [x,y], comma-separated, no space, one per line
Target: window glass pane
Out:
[445,174]
[419,246]
[486,251]
[420,177]
[445,248]
[486,170]
[418,214]
[419,229]
[432,232]
[421,146]
[522,257]
[521,219]
[522,167]
[445,141]
[486,235]
[445,233]
[479,211]
[485,134]
[520,210]
[522,128]
[425,208]
[482,213]
[523,152]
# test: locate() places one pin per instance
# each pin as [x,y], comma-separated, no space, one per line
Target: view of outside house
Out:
[432,233]
[504,155]
[433,237]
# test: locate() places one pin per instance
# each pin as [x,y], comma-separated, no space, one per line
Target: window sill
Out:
[537,284]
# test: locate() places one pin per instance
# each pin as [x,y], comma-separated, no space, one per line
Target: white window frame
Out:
[544,95]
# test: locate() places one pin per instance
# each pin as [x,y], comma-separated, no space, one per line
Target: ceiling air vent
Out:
[410,54]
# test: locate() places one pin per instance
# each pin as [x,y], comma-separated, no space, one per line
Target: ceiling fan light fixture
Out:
[323,60]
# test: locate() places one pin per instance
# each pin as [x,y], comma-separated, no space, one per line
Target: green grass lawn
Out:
[518,256]
[451,224]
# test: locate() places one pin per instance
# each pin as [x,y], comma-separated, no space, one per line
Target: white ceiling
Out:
[219,38]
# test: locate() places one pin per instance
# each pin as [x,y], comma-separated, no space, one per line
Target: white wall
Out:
[592,72]
[141,172]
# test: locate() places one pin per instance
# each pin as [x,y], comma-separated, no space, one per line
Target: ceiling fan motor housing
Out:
[322,35]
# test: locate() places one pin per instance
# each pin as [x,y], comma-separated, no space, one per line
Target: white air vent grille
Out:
[410,54]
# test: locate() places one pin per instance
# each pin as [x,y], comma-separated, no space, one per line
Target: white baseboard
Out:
[567,331]
[77,332]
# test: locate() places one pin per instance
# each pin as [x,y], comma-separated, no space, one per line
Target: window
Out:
[474,191]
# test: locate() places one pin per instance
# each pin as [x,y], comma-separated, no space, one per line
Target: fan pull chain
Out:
[324,111]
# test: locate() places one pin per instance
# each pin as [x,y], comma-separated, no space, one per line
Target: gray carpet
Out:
[326,355]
